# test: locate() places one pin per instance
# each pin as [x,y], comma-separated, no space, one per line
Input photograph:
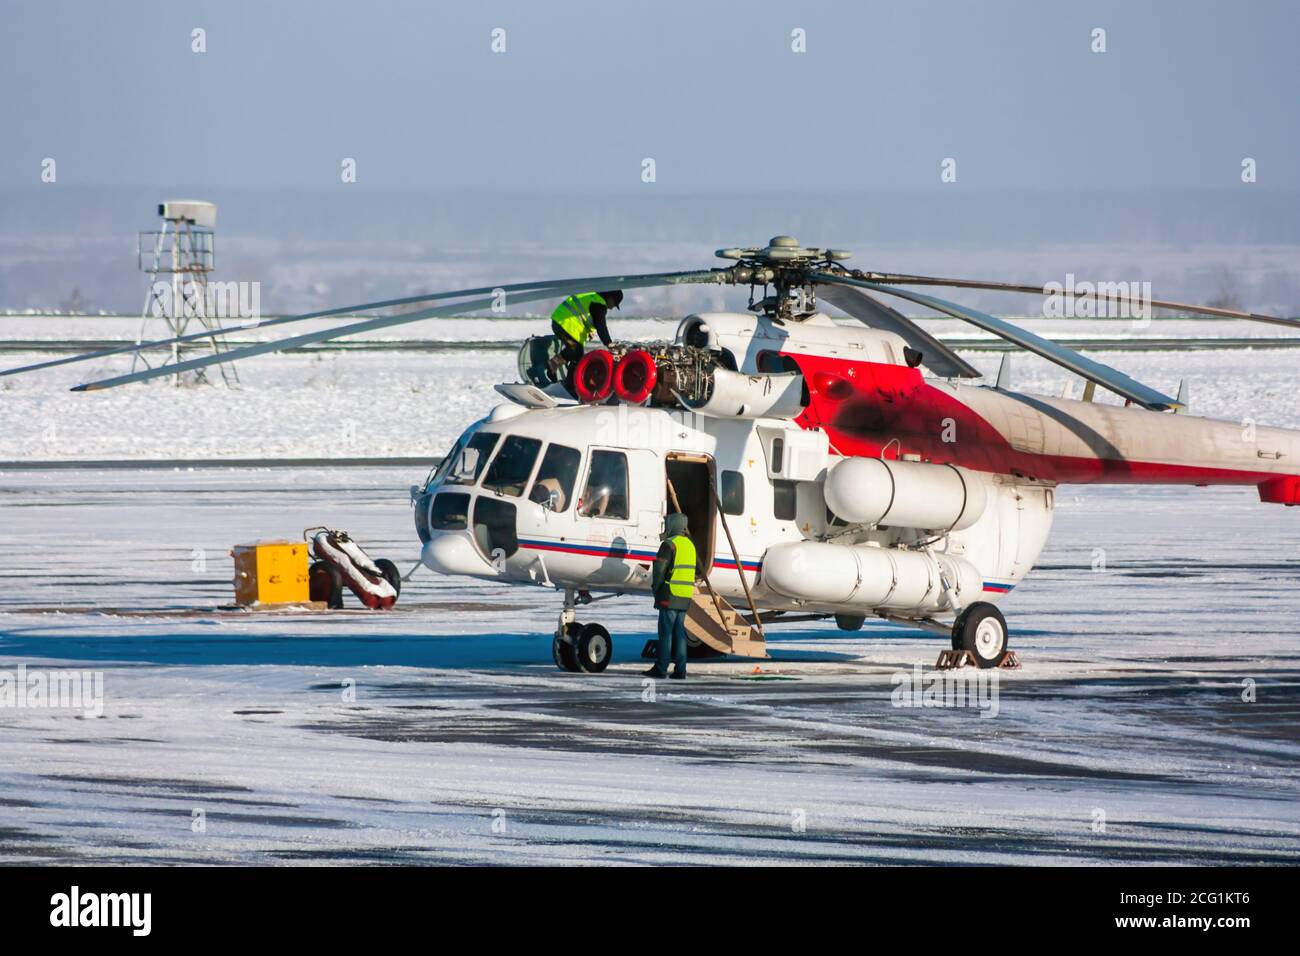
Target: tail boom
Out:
[872,410]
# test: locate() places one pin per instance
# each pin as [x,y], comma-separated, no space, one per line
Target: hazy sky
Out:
[710,90]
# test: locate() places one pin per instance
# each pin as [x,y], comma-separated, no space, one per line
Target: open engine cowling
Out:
[905,494]
[668,375]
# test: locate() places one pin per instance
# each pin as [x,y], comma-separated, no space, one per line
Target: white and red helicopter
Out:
[822,473]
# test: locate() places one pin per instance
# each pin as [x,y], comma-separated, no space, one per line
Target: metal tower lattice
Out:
[178,259]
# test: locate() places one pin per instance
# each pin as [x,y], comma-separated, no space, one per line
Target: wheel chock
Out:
[951,660]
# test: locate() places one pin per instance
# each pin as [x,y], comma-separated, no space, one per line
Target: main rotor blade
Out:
[561,288]
[226,330]
[936,356]
[893,278]
[593,281]
[1103,375]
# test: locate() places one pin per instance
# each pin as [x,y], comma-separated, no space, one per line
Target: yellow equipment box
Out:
[271,572]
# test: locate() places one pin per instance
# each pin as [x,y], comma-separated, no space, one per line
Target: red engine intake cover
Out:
[635,376]
[593,379]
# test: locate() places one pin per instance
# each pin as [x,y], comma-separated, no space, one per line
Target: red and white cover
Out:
[360,574]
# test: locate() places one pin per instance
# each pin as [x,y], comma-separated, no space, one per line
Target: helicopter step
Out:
[717,625]
[715,628]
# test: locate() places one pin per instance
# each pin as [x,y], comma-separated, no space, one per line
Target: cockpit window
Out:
[450,511]
[553,486]
[606,492]
[509,471]
[437,474]
[466,461]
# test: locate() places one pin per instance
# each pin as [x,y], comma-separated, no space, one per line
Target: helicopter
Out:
[827,471]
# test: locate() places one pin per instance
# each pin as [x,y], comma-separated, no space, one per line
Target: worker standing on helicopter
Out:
[577,319]
[673,582]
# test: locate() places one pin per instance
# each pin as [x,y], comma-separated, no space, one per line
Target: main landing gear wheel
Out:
[982,630]
[595,648]
[564,652]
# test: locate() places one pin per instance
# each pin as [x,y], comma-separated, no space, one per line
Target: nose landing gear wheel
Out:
[982,630]
[564,652]
[595,648]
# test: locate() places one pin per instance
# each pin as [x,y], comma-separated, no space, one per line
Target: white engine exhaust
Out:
[738,395]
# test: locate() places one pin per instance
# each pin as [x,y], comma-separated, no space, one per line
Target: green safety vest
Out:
[681,577]
[574,316]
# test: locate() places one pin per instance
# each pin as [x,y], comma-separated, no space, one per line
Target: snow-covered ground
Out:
[404,404]
[1155,718]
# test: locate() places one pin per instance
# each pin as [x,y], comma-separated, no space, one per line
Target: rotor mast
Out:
[788,268]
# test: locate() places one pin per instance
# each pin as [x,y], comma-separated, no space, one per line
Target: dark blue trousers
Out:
[672,630]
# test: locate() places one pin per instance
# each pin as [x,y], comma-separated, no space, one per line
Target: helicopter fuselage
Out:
[573,496]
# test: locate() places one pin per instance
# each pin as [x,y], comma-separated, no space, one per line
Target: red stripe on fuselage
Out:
[868,409]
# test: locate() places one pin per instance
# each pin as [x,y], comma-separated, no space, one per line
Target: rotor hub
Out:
[785,264]
[784,251]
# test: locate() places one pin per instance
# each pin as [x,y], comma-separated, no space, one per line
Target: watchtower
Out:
[178,258]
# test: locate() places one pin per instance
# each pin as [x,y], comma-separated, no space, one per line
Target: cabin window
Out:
[450,511]
[553,486]
[731,488]
[509,471]
[785,499]
[467,461]
[606,493]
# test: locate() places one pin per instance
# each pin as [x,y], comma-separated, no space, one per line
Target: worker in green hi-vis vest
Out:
[577,319]
[673,582]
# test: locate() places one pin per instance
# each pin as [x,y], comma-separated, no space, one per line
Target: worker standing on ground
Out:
[577,319]
[673,582]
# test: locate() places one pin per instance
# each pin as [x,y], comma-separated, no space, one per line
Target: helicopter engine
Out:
[663,374]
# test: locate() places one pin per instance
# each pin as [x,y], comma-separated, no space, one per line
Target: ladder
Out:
[713,622]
